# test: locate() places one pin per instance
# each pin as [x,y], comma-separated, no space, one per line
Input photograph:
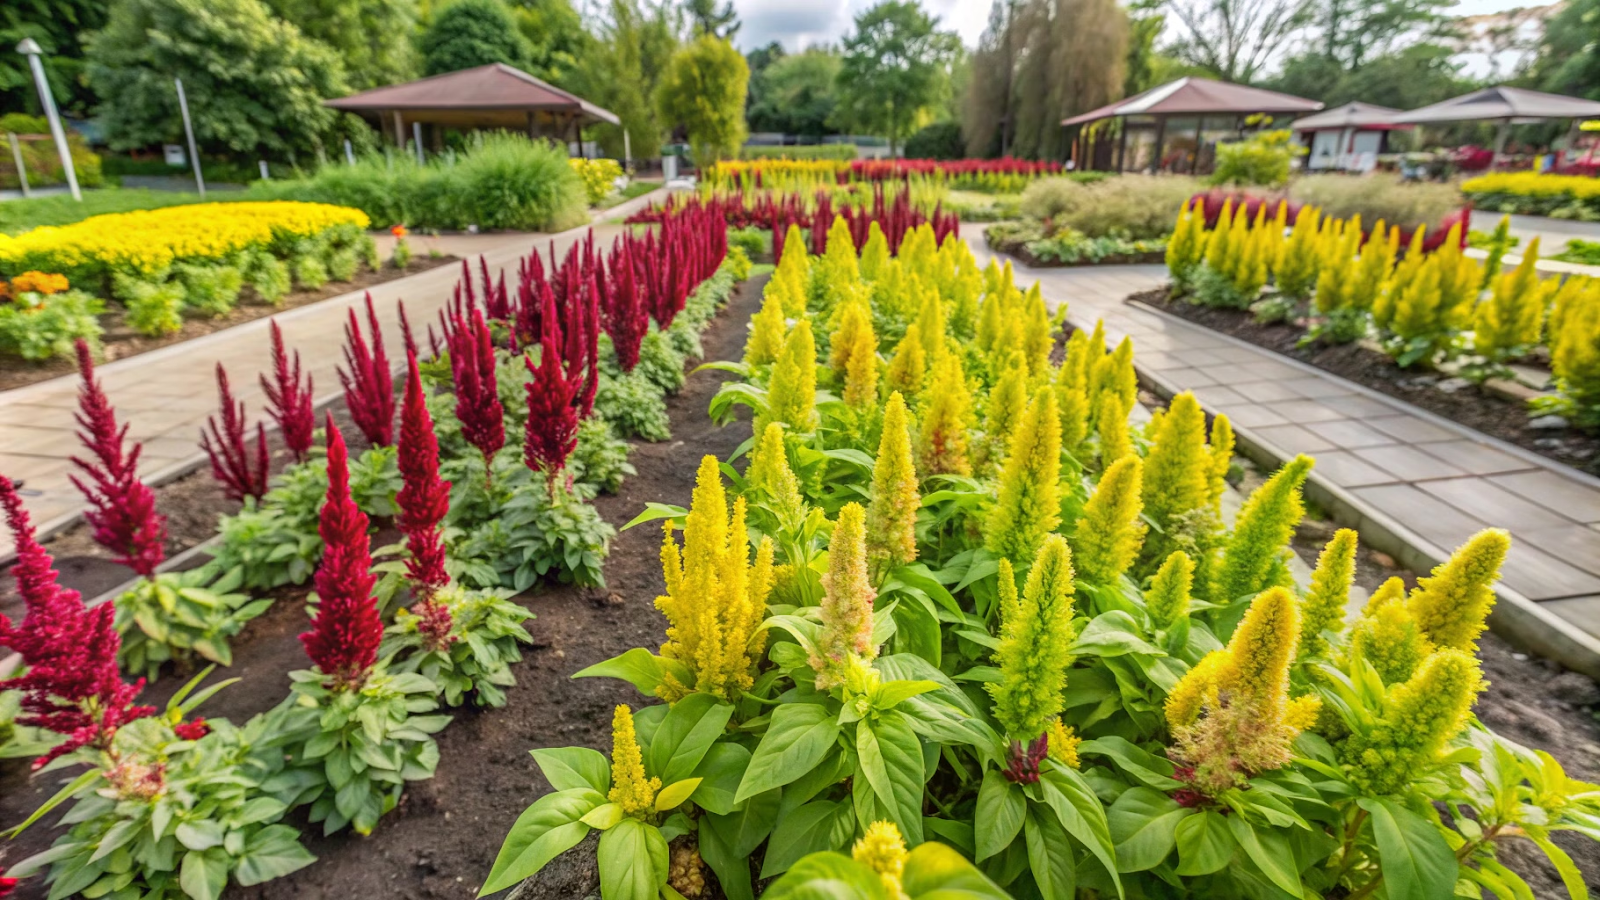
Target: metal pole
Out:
[22,171]
[30,49]
[188,130]
[265,175]
[416,138]
[1500,143]
[627,150]
[349,153]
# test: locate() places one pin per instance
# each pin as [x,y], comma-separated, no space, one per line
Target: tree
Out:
[1569,55]
[704,90]
[1234,38]
[892,68]
[941,140]
[626,61]
[374,38]
[557,41]
[762,57]
[255,84]
[1351,32]
[795,94]
[717,21]
[1415,76]
[58,26]
[470,33]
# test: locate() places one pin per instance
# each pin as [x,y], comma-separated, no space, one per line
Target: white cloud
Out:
[797,25]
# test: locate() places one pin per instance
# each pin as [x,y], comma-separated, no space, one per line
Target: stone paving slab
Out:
[166,395]
[1415,484]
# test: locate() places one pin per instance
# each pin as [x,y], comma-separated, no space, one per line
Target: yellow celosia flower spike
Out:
[1254,557]
[892,515]
[1418,718]
[1387,636]
[1169,594]
[908,366]
[846,637]
[946,412]
[1452,605]
[1107,538]
[792,392]
[1176,476]
[883,850]
[769,472]
[1029,503]
[767,330]
[874,253]
[1323,609]
[1035,643]
[630,789]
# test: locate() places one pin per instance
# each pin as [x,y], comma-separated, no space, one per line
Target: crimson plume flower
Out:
[71,685]
[122,509]
[192,730]
[7,885]
[1023,765]
[345,632]
[289,404]
[562,391]
[477,390]
[229,449]
[409,339]
[425,498]
[368,382]
[627,316]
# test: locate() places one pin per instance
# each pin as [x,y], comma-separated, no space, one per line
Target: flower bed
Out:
[1532,194]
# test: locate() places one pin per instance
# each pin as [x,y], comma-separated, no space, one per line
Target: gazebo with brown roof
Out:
[1191,96]
[491,96]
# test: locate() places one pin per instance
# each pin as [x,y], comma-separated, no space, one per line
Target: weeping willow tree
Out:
[1039,62]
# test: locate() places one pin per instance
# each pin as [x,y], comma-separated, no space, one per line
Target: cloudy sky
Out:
[802,23]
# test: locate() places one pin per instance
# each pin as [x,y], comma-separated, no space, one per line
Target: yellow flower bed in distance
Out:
[148,241]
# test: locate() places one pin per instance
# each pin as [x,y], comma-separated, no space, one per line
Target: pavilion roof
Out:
[494,87]
[1350,115]
[1192,95]
[1503,104]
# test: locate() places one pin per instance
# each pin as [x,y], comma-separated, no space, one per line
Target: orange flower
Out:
[39,283]
[399,231]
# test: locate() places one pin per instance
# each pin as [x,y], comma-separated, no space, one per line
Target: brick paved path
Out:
[1415,484]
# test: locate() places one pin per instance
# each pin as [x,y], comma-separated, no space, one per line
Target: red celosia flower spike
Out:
[558,396]
[192,730]
[627,316]
[122,509]
[229,449]
[425,498]
[71,686]
[288,402]
[344,636]
[368,383]
[477,389]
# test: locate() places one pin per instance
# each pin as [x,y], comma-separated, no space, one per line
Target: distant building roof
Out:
[1193,95]
[496,87]
[1503,103]
[1350,115]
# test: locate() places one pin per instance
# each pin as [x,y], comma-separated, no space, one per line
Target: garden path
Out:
[1414,484]
[166,395]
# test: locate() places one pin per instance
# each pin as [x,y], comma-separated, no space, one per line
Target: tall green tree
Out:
[709,18]
[893,67]
[1236,38]
[59,26]
[796,94]
[255,84]
[632,47]
[376,39]
[470,33]
[557,41]
[1414,76]
[703,91]
[1569,53]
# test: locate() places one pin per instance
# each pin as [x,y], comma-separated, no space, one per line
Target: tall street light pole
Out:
[31,49]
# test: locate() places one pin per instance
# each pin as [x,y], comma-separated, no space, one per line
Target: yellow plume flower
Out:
[1169,593]
[883,850]
[1298,261]
[1177,475]
[908,367]
[715,599]
[930,325]
[767,329]
[792,392]
[770,475]
[892,515]
[1452,604]
[874,253]
[1196,691]
[1111,424]
[1418,718]
[1005,406]
[794,270]
[846,637]
[1323,609]
[630,789]
[1036,337]
[946,416]
[851,320]
[861,369]
[1510,322]
[1029,503]
[1035,643]
[1063,744]
[1221,459]
[1387,635]
[991,317]
[965,289]
[1107,538]
[1303,712]
[1254,557]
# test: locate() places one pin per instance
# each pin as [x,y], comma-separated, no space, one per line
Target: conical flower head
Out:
[1419,717]
[1114,372]
[1169,594]
[1029,502]
[846,637]
[839,260]
[946,415]
[1452,605]
[930,324]
[1111,425]
[716,599]
[792,392]
[1177,472]
[767,328]
[1262,647]
[630,789]
[1005,406]
[1221,459]
[851,320]
[874,253]
[1253,558]
[1387,636]
[769,472]
[883,850]
[1035,643]
[1323,607]
[1063,745]
[892,515]
[345,633]
[1108,536]
[908,366]
[1036,337]
[861,370]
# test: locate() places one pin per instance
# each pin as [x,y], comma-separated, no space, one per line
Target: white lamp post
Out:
[31,49]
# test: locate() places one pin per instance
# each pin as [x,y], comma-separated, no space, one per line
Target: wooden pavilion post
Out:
[1199,144]
[399,131]
[1122,145]
[1161,140]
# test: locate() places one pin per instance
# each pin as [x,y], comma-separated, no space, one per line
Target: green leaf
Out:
[1113,633]
[639,667]
[71,790]
[1082,815]
[633,861]
[272,852]
[569,768]
[1417,863]
[544,831]
[1204,844]
[1001,806]
[201,835]
[798,737]
[937,872]
[204,874]
[654,511]
[1050,856]
[604,816]
[1143,823]
[891,694]
[720,772]
[1148,768]
[891,757]
[675,794]
[685,736]
[810,828]
[717,835]
[1271,853]
[1570,875]
[828,876]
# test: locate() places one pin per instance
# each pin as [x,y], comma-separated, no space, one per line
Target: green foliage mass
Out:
[704,90]
[470,33]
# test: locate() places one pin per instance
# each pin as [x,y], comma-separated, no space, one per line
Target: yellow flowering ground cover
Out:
[146,242]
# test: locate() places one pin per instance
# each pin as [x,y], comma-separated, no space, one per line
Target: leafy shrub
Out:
[183,615]
[1137,207]
[311,272]
[1262,159]
[41,326]
[209,290]
[752,240]
[599,177]
[342,264]
[270,278]
[367,249]
[1374,197]
[941,140]
[400,258]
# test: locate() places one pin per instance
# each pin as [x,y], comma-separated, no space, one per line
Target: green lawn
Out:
[634,189]
[17,216]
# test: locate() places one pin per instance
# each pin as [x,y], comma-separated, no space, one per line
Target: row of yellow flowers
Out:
[148,241]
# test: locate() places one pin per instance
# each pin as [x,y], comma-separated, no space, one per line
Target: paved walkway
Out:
[1416,485]
[165,395]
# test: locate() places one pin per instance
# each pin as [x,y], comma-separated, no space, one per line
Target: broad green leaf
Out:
[654,511]
[685,735]
[828,876]
[717,835]
[1417,864]
[569,768]
[1148,768]
[1113,633]
[890,694]
[720,772]
[937,872]
[1082,815]
[891,757]
[1001,806]
[1571,877]
[204,874]
[674,794]
[798,737]
[201,835]
[544,831]
[633,861]
[1272,854]
[272,852]
[1050,857]
[1143,823]
[602,817]
[811,828]
[639,667]
[1204,844]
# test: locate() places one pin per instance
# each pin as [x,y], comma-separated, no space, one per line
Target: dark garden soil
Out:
[443,837]
[1485,411]
[122,341]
